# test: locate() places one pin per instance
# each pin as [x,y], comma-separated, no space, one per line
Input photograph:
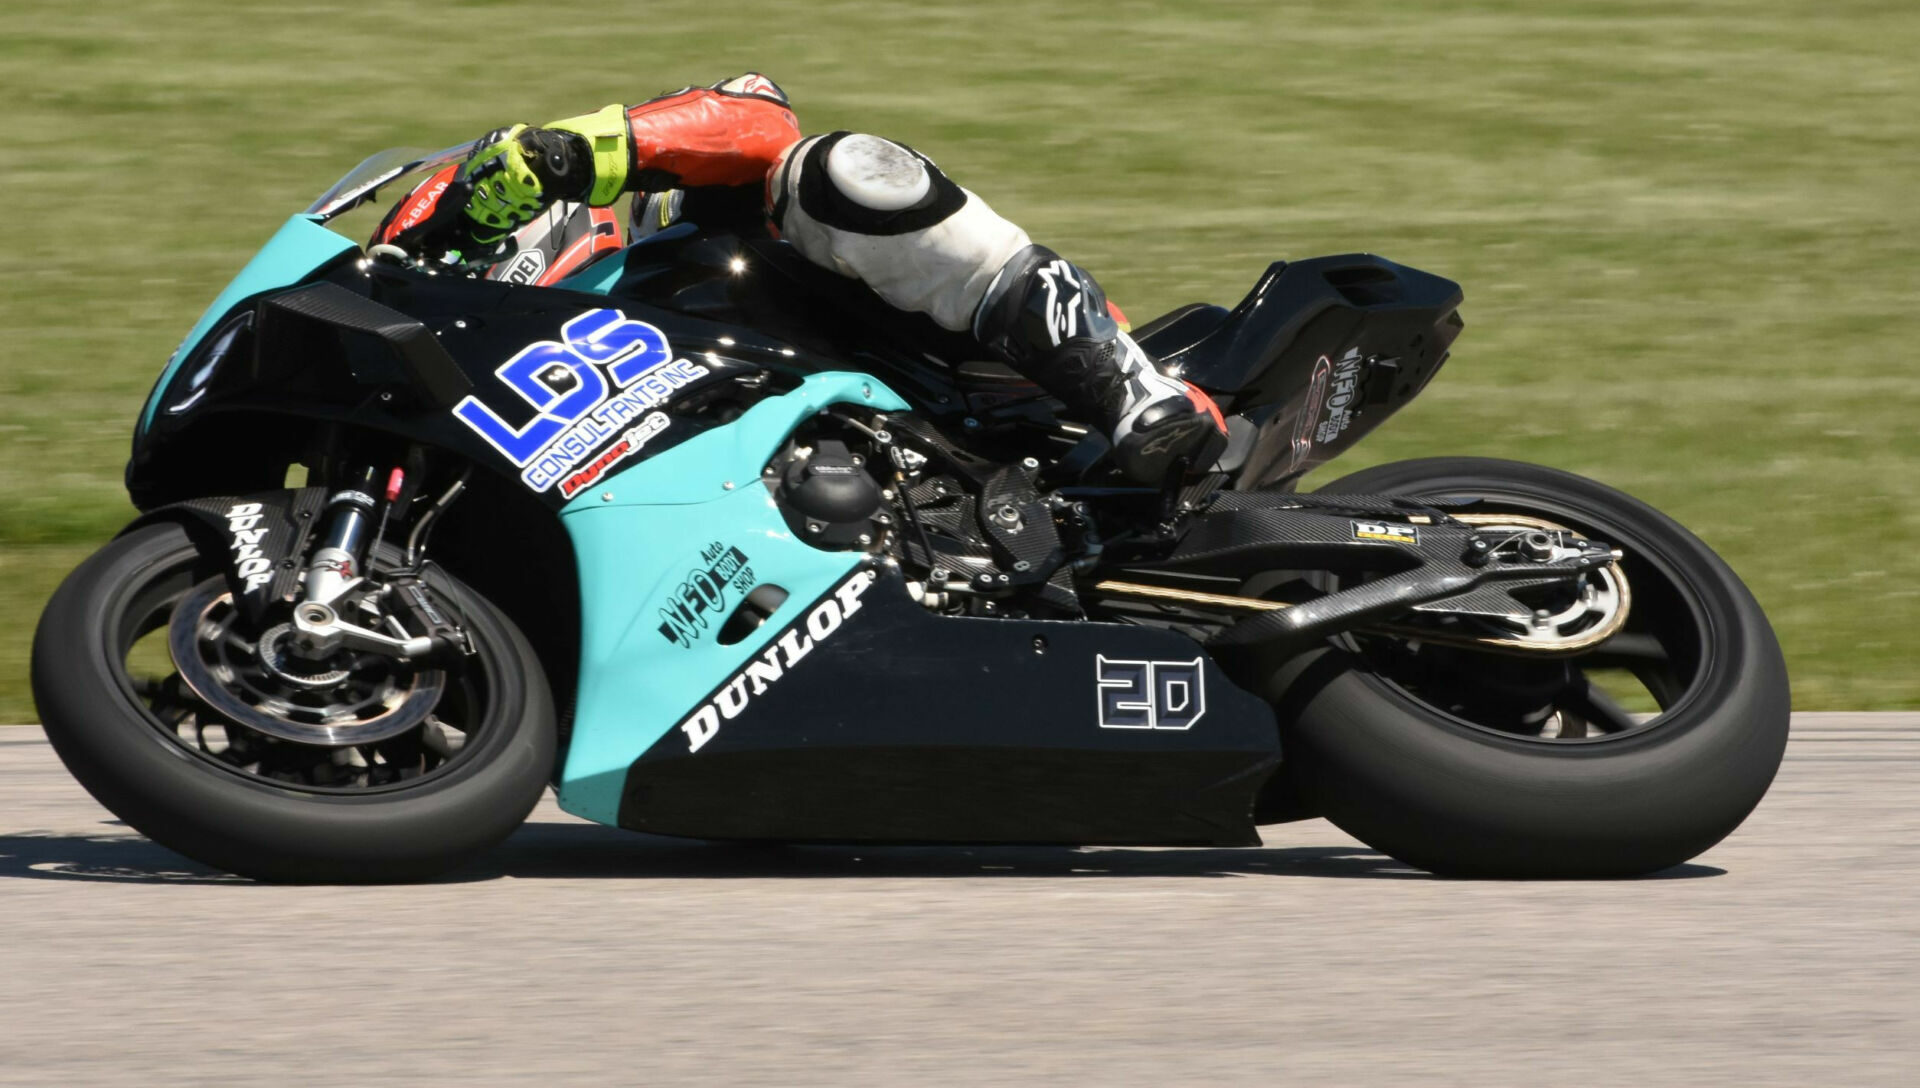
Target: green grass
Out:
[1686,230]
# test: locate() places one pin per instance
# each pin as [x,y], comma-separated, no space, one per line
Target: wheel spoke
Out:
[228,717]
[1595,707]
[148,685]
[1626,650]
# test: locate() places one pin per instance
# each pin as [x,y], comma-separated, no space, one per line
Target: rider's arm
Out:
[729,134]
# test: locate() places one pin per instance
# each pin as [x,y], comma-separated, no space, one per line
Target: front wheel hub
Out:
[345,700]
[277,656]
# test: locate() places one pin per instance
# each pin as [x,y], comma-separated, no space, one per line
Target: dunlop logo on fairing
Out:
[782,654]
[243,521]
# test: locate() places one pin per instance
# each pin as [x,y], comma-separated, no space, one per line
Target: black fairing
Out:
[308,356]
[858,744]
[1319,353]
[390,350]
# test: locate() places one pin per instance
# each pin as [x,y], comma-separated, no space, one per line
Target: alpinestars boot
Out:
[1049,319]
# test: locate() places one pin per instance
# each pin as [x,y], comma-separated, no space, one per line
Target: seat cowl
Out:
[1178,330]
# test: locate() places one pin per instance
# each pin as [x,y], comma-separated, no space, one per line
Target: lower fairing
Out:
[883,722]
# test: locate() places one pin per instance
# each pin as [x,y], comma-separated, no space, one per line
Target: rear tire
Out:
[135,764]
[1453,796]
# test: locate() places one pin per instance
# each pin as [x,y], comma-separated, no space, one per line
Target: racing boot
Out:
[1049,319]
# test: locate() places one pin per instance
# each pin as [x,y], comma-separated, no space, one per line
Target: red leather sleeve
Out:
[705,137]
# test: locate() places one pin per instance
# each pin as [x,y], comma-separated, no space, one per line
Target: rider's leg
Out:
[1049,318]
[885,215]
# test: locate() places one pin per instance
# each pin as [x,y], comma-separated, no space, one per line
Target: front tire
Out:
[283,811]
[1428,763]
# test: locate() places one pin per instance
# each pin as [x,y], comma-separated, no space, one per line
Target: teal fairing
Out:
[636,538]
[634,548]
[296,251]
[301,247]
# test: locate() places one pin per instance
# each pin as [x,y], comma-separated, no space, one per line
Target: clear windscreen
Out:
[378,170]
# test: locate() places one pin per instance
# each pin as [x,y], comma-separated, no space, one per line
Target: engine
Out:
[971,536]
[828,497]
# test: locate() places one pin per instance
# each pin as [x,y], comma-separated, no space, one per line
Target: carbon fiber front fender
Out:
[261,535]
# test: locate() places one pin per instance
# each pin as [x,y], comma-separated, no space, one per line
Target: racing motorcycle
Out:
[715,545]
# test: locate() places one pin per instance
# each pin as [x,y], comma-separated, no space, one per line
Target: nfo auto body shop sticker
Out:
[1345,386]
[700,601]
[1343,378]
[595,390]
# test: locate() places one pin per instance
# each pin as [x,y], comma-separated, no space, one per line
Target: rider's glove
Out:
[516,173]
[511,177]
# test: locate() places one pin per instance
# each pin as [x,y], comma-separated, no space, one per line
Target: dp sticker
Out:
[1393,534]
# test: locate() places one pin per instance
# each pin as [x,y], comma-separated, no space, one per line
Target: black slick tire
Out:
[1453,798]
[269,830]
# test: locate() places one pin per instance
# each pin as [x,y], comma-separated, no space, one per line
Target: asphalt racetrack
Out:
[1789,955]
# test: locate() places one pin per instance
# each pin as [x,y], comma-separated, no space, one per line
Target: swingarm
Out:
[1387,561]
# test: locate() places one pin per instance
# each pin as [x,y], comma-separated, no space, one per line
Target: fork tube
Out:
[344,538]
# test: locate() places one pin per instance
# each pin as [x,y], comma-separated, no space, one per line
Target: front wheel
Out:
[287,771]
[1626,757]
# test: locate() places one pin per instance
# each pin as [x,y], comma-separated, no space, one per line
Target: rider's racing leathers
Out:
[867,208]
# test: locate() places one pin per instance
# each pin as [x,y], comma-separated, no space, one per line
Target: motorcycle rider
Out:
[864,207]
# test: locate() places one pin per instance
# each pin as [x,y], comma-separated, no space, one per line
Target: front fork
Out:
[353,522]
[344,539]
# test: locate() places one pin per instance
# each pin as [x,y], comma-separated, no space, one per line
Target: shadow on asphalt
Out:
[573,851]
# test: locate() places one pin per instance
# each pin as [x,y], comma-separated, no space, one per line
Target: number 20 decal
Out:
[1150,694]
[563,382]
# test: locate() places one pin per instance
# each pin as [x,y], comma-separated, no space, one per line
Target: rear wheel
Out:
[1625,757]
[353,769]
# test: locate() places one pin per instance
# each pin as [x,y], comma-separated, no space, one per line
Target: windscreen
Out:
[364,180]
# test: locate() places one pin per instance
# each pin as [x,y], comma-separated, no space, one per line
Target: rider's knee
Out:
[884,214]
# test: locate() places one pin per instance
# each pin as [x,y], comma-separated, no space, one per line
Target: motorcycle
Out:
[715,545]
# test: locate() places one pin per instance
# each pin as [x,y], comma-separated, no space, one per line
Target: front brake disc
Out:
[351,700]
